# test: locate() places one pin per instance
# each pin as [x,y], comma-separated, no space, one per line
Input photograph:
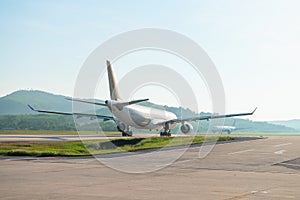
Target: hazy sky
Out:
[254,44]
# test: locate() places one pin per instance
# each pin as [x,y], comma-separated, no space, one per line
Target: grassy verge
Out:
[50,132]
[77,148]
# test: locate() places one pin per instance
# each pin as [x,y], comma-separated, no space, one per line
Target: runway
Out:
[261,168]
[50,138]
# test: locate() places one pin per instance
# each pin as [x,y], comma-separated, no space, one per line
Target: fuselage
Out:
[142,117]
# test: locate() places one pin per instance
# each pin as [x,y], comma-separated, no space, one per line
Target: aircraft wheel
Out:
[165,133]
[127,134]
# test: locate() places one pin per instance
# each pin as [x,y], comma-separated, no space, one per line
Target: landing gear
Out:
[126,134]
[166,132]
[125,131]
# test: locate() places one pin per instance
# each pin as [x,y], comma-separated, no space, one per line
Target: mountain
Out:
[15,114]
[16,102]
[295,123]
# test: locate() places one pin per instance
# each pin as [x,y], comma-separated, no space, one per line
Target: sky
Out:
[254,45]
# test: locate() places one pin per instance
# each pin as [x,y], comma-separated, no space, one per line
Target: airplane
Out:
[130,114]
[221,129]
[227,129]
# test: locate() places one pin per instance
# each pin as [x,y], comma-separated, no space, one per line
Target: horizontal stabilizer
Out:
[84,101]
[136,101]
[122,104]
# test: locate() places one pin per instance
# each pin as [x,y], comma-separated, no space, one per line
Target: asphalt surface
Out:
[252,168]
[4,138]
[50,138]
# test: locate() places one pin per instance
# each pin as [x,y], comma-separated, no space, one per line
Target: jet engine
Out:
[186,128]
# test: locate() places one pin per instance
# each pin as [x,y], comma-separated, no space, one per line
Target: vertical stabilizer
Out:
[113,88]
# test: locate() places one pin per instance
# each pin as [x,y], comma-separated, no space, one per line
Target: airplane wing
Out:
[208,117]
[105,118]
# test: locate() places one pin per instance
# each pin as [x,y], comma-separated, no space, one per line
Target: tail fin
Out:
[114,92]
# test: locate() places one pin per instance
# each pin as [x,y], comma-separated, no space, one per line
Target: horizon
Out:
[176,106]
[253,44]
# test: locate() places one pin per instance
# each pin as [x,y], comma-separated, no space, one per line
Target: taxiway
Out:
[260,168]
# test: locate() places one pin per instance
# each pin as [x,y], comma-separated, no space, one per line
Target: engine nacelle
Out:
[186,128]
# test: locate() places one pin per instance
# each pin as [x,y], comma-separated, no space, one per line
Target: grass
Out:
[77,148]
[51,132]
[43,149]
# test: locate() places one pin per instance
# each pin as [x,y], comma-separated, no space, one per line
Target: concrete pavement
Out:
[265,168]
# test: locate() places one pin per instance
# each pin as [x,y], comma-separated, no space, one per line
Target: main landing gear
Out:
[166,132]
[125,132]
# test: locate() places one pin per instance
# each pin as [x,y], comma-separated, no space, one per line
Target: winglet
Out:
[254,111]
[31,107]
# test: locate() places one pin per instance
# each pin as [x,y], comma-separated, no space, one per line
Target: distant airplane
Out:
[129,114]
[221,129]
[227,129]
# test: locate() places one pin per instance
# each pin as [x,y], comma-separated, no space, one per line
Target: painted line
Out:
[275,196]
[284,144]
[290,164]
[280,152]
[244,151]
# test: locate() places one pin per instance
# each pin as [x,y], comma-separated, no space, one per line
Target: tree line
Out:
[48,122]
[62,122]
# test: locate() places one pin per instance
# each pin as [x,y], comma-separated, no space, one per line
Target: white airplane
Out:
[129,114]
[221,129]
[227,129]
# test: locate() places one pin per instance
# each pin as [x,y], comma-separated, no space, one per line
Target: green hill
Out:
[16,102]
[295,123]
[14,114]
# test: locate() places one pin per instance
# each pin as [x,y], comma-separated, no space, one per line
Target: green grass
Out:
[77,148]
[51,132]
[43,149]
